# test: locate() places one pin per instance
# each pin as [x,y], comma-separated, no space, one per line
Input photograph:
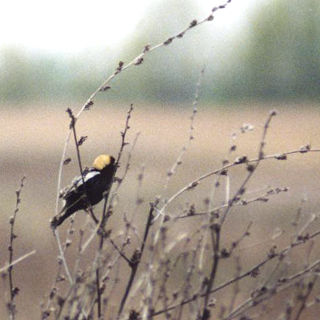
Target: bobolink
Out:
[81,195]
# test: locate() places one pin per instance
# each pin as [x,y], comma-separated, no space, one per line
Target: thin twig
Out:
[137,61]
[215,237]
[16,261]
[124,134]
[135,261]
[62,256]
[243,202]
[193,184]
[250,271]
[185,148]
[13,290]
[73,127]
[264,293]
[251,168]
[305,297]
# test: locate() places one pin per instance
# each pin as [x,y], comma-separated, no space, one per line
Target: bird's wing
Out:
[77,183]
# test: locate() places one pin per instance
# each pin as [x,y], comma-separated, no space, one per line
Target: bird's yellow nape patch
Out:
[102,161]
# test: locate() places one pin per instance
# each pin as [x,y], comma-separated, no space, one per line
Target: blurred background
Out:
[258,55]
[261,50]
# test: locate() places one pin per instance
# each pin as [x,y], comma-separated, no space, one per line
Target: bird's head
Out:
[103,161]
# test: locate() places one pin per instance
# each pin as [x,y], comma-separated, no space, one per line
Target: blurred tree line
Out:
[274,55]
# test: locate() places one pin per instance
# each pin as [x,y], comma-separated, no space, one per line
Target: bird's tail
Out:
[65,213]
[58,219]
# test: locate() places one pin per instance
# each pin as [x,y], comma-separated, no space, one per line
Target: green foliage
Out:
[32,78]
[282,57]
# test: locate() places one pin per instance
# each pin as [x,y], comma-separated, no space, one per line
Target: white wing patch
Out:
[77,182]
[86,178]
[90,175]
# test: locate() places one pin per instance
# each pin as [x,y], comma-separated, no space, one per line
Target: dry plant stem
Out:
[13,290]
[138,60]
[98,293]
[62,256]
[135,261]
[236,243]
[178,161]
[240,190]
[63,305]
[298,235]
[216,210]
[120,251]
[128,161]
[195,182]
[64,152]
[236,289]
[252,270]
[256,162]
[266,293]
[73,127]
[209,215]
[55,231]
[16,261]
[194,270]
[124,134]
[102,235]
[282,285]
[123,144]
[139,200]
[106,210]
[45,310]
[215,238]
[216,227]
[102,232]
[105,214]
[305,297]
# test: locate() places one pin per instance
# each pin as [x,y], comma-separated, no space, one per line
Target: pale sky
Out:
[69,26]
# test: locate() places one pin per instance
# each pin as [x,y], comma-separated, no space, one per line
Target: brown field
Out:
[31,144]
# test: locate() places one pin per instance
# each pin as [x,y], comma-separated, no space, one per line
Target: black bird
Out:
[87,191]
